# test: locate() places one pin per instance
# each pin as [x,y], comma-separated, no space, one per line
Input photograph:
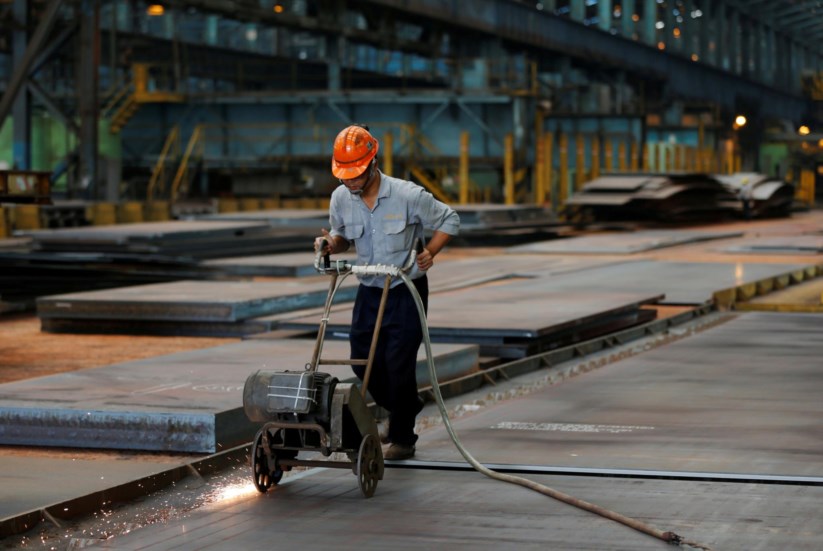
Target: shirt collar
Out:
[384,191]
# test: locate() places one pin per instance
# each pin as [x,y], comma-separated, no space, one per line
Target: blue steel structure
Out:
[272,80]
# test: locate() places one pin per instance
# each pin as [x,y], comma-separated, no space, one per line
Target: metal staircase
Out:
[126,100]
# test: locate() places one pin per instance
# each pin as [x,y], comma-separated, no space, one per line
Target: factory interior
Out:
[623,345]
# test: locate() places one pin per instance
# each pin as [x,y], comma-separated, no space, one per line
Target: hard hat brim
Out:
[347,172]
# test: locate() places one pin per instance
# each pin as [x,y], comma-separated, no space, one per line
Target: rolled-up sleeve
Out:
[336,221]
[434,214]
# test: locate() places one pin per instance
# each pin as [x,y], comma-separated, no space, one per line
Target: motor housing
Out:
[289,395]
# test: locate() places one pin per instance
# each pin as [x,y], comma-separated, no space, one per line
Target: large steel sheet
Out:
[464,272]
[145,231]
[524,308]
[490,216]
[791,245]
[457,273]
[681,282]
[33,479]
[197,301]
[188,402]
[413,510]
[220,329]
[623,243]
[273,265]
[740,397]
[194,238]
[292,218]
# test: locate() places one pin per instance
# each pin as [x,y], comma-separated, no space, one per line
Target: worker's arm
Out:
[425,258]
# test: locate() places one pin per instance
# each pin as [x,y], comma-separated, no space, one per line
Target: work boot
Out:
[397,452]
[384,433]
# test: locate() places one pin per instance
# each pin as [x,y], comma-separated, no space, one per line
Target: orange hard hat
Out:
[354,149]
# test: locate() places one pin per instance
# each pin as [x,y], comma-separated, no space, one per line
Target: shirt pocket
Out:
[395,231]
[353,231]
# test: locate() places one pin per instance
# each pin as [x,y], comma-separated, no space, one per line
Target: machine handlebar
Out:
[343,266]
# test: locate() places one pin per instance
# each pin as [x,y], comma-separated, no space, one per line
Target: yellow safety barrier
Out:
[27,217]
[102,214]
[157,211]
[290,203]
[4,224]
[270,204]
[227,204]
[130,213]
[249,203]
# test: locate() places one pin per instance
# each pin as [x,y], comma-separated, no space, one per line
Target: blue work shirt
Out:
[386,234]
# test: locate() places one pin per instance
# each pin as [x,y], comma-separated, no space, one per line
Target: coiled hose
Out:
[668,536]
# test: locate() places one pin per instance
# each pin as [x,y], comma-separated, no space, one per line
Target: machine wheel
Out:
[262,473]
[368,465]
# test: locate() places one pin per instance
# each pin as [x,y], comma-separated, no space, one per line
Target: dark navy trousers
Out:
[393,381]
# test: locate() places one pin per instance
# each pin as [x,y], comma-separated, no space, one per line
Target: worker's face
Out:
[356,186]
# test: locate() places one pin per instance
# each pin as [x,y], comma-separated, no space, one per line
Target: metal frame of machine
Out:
[310,411]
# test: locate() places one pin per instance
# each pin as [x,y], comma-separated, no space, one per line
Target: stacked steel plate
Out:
[487,224]
[658,197]
[480,224]
[101,257]
[192,239]
[759,195]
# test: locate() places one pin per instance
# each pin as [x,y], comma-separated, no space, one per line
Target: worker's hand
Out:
[318,242]
[425,260]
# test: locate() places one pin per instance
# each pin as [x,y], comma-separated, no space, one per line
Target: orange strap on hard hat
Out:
[354,149]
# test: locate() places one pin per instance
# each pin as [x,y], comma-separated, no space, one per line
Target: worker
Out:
[383,217]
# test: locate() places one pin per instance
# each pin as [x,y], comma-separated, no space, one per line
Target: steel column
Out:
[87,100]
[669,39]
[578,10]
[648,21]
[604,14]
[21,108]
[688,29]
[704,32]
[733,36]
[627,13]
[508,169]
[758,44]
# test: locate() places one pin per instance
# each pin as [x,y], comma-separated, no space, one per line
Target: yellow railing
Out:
[170,152]
[194,150]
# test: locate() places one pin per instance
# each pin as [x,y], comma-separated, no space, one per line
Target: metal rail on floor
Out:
[647,474]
